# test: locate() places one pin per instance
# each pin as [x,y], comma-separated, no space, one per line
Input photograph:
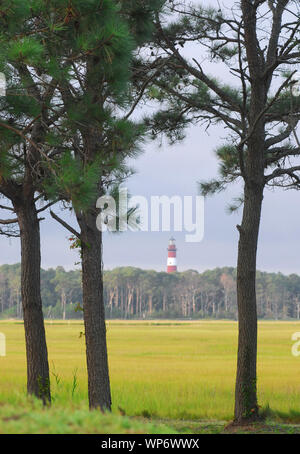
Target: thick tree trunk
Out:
[91,250]
[246,407]
[38,382]
[94,314]
[252,158]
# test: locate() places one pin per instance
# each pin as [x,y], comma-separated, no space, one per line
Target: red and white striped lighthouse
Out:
[172,262]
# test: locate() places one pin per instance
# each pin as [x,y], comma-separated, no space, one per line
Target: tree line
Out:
[134,293]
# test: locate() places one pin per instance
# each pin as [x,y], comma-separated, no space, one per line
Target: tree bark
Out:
[245,395]
[38,381]
[246,406]
[91,250]
[94,313]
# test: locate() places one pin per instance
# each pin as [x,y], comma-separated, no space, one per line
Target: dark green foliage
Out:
[171,123]
[140,16]
[73,182]
[60,43]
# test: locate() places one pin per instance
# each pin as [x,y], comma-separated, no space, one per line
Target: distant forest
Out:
[141,294]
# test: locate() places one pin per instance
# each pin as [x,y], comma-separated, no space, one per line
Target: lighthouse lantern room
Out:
[172,263]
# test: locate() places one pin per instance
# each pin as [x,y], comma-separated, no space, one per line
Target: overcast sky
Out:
[175,170]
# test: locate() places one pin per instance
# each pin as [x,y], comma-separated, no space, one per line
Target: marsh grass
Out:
[183,371]
[22,415]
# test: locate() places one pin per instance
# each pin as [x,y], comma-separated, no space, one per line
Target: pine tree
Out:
[25,118]
[256,43]
[83,52]
[106,138]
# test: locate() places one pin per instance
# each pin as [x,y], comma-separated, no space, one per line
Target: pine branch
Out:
[10,233]
[8,221]
[268,107]
[198,73]
[282,136]
[142,91]
[65,225]
[50,204]
[281,172]
[4,207]
[280,153]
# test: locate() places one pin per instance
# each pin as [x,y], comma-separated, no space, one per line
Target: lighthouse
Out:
[171,263]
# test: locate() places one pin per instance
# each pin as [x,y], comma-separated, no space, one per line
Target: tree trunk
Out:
[252,160]
[63,303]
[246,407]
[94,313]
[150,304]
[38,382]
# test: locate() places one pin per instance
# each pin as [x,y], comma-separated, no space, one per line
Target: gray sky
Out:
[175,171]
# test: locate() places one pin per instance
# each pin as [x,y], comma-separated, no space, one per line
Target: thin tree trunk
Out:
[122,301]
[38,381]
[246,407]
[117,298]
[94,313]
[164,302]
[63,304]
[150,304]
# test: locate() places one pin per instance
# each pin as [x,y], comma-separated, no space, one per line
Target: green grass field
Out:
[162,370]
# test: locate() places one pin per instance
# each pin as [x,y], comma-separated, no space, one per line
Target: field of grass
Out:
[28,416]
[164,370]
